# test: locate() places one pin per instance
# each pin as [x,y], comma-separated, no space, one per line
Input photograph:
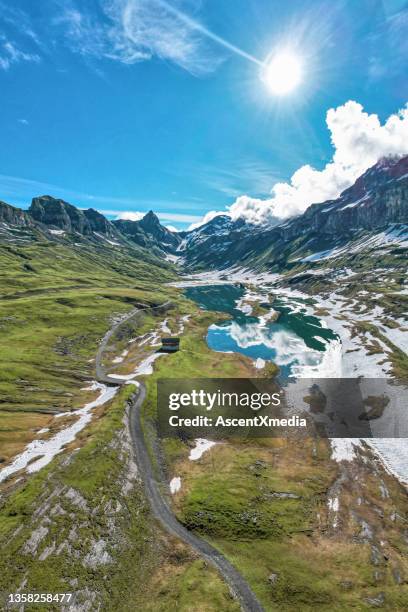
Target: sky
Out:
[132,105]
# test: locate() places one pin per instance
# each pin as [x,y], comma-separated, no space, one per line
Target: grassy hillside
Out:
[56,302]
[265,504]
[82,524]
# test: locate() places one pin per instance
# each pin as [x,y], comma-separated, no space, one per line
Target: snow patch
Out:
[344,449]
[173,258]
[145,368]
[259,363]
[201,446]
[175,485]
[40,453]
[164,327]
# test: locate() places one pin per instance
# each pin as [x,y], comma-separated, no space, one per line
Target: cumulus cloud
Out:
[359,141]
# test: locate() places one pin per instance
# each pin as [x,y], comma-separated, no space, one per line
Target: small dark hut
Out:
[170,345]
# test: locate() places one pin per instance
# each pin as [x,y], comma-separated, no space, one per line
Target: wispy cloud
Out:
[23,121]
[127,31]
[18,20]
[10,54]
[198,27]
[237,176]
[131,31]
[17,37]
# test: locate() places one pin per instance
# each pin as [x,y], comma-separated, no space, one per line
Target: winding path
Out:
[159,506]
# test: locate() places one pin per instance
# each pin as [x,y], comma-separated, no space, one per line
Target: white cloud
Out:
[207,217]
[130,216]
[359,141]
[136,30]
[171,228]
[10,54]
[23,121]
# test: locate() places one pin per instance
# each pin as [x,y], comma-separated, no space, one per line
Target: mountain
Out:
[372,213]
[374,209]
[53,218]
[149,233]
[68,232]
[61,215]
[9,215]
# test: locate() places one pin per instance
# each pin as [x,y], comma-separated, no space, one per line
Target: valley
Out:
[85,303]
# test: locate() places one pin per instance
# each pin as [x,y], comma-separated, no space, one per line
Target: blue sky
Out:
[131,105]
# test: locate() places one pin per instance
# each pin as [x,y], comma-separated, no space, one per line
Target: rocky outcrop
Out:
[13,216]
[378,198]
[59,214]
[99,223]
[150,233]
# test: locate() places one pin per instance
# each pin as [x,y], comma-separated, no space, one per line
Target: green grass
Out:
[57,303]
[231,485]
[145,564]
[234,498]
[52,317]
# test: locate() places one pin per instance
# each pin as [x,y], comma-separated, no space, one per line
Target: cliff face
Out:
[58,213]
[51,211]
[13,216]
[98,223]
[379,197]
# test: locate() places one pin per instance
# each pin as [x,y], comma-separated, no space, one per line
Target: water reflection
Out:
[297,342]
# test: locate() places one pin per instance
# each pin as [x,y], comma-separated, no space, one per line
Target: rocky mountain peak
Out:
[58,213]
[383,172]
[150,222]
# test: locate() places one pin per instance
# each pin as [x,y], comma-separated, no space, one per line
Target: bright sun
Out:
[282,72]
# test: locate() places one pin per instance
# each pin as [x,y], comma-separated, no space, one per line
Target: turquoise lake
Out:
[295,341]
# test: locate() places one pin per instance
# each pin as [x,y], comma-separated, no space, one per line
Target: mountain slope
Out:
[54,220]
[370,213]
[149,233]
[376,205]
